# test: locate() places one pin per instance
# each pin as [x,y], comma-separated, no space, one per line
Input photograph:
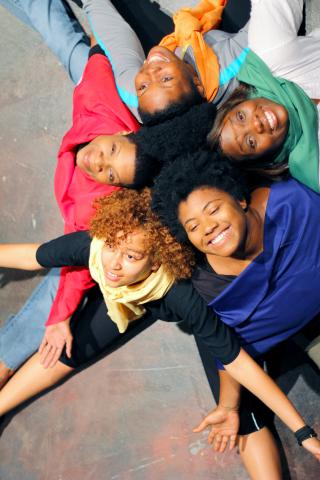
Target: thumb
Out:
[204,424]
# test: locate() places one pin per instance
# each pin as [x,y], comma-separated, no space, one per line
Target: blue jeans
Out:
[22,333]
[59,28]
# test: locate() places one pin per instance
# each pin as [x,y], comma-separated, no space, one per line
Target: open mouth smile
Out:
[220,238]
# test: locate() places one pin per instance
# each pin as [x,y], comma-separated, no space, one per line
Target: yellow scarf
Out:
[124,303]
[190,25]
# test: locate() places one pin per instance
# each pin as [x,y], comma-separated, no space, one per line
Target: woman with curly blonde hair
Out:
[137,264]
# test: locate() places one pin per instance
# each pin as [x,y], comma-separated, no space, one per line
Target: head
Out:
[108,159]
[250,130]
[136,243]
[203,200]
[166,84]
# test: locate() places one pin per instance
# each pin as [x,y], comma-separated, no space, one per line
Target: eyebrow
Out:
[236,138]
[203,209]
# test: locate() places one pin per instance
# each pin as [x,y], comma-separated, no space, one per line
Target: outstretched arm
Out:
[224,419]
[247,372]
[19,255]
[121,45]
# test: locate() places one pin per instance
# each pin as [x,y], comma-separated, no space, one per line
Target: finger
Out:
[55,357]
[42,345]
[49,356]
[217,442]
[45,351]
[232,443]
[201,426]
[69,346]
[224,443]
[212,435]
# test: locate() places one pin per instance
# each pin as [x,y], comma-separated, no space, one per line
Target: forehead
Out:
[136,240]
[199,199]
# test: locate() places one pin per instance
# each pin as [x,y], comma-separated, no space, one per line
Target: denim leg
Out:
[59,28]
[22,333]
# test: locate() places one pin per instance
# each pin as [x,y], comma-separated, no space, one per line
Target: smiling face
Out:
[163,79]
[108,159]
[127,262]
[254,128]
[214,221]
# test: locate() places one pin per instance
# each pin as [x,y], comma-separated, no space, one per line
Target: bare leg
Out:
[260,455]
[30,379]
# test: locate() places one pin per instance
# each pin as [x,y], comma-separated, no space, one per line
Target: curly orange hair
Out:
[127,210]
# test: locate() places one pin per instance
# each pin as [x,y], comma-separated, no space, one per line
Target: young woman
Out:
[259,267]
[188,67]
[96,153]
[137,263]
[271,123]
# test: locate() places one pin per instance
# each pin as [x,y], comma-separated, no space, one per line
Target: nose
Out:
[257,124]
[99,162]
[115,263]
[209,226]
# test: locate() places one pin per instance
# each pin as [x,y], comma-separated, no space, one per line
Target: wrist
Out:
[304,433]
[228,407]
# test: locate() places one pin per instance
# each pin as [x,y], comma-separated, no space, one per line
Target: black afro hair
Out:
[161,144]
[191,172]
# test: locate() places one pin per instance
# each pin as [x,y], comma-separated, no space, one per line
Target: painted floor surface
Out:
[130,416]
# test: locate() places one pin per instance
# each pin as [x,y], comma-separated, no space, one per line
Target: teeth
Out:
[112,275]
[220,237]
[157,58]
[271,120]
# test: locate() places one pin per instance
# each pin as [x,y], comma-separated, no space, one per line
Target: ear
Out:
[155,267]
[196,80]
[198,84]
[244,205]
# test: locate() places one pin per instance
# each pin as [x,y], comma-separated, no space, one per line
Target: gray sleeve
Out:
[231,50]
[120,44]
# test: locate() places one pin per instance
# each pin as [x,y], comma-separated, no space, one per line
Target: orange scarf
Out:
[190,25]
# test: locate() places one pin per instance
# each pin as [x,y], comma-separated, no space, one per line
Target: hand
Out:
[224,424]
[313,446]
[54,340]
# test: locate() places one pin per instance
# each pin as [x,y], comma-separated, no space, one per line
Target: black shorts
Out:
[95,334]
[252,412]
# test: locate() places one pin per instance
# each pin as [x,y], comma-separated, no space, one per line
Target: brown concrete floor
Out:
[130,416]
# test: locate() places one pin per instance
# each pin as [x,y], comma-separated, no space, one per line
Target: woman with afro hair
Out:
[258,265]
[140,269]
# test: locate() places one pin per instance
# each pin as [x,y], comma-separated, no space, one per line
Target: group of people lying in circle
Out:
[206,214]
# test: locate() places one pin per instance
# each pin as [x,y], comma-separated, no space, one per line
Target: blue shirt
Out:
[279,292]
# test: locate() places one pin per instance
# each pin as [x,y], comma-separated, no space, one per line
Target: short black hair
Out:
[181,106]
[160,144]
[189,173]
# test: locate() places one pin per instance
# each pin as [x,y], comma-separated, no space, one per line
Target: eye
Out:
[142,87]
[213,211]
[113,148]
[251,143]
[167,78]
[193,228]
[240,116]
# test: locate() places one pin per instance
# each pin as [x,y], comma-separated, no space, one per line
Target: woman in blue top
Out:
[260,268]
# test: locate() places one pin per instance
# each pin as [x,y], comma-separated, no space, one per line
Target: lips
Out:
[220,237]
[155,56]
[112,276]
